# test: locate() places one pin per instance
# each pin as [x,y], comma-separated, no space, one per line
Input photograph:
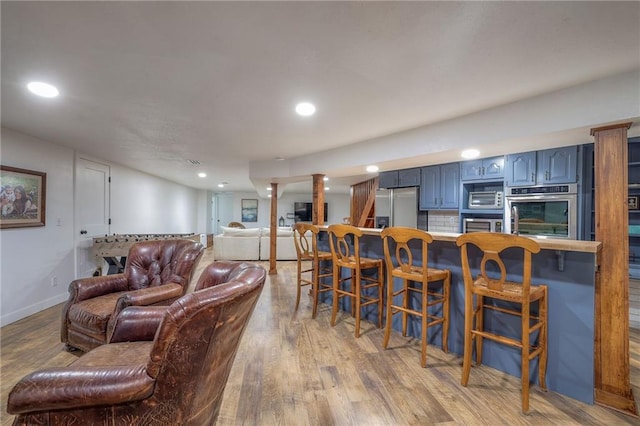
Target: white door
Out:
[92,212]
[223,211]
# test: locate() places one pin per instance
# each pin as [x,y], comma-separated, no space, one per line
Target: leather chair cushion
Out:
[93,314]
[132,353]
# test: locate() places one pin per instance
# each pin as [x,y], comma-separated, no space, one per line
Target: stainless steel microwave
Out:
[486,199]
[482,225]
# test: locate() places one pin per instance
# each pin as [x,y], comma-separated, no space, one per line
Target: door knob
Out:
[83,232]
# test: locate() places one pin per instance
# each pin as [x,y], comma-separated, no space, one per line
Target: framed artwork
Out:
[249,210]
[632,202]
[22,197]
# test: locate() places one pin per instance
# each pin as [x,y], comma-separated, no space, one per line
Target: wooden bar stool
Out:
[306,241]
[359,291]
[522,293]
[403,265]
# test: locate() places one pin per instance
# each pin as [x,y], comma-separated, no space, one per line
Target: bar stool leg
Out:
[380,294]
[468,326]
[542,338]
[356,289]
[424,320]
[298,282]
[389,310]
[524,362]
[315,290]
[479,326]
[446,285]
[336,296]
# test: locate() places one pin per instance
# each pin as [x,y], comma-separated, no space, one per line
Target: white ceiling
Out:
[158,85]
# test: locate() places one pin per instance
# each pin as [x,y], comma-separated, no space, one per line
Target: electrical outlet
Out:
[54,281]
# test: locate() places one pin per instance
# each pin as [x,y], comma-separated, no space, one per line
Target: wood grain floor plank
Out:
[294,370]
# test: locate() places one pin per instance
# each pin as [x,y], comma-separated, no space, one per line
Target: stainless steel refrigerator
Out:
[396,207]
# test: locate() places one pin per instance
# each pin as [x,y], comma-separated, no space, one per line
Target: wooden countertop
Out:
[545,243]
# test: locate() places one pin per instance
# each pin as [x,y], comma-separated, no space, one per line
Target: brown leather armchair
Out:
[178,378]
[156,273]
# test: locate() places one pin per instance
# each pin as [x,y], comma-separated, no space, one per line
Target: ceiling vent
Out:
[193,162]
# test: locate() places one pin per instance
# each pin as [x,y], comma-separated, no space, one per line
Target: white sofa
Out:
[252,244]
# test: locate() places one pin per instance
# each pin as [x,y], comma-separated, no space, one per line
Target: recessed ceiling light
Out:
[325,178]
[470,153]
[43,89]
[202,175]
[326,188]
[305,109]
[372,169]
[269,195]
[269,188]
[221,185]
[279,158]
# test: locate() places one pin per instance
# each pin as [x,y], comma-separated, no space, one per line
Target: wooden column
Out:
[273,225]
[318,199]
[612,371]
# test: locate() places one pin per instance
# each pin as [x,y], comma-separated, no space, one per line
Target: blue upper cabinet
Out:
[399,178]
[558,165]
[485,169]
[520,169]
[440,187]
[388,179]
[551,166]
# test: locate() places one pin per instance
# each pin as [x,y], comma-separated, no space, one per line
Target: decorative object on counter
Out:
[364,290]
[281,221]
[22,197]
[403,265]
[306,240]
[249,210]
[501,295]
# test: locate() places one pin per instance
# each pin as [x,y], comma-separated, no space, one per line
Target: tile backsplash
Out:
[445,221]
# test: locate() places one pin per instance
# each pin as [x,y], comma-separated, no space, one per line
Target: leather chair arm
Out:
[164,294]
[137,323]
[87,288]
[69,387]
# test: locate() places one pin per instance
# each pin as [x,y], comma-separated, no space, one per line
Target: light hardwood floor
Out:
[292,370]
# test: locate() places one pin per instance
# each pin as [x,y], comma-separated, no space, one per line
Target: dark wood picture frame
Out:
[249,210]
[22,197]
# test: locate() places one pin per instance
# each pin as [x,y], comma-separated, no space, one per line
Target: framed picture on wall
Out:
[249,210]
[22,197]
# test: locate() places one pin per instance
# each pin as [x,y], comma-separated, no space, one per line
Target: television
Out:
[304,211]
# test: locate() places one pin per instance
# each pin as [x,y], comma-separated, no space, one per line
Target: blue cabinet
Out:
[399,178]
[558,165]
[484,169]
[551,166]
[520,169]
[440,187]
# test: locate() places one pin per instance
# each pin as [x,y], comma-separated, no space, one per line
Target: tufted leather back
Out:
[197,341]
[153,263]
[220,272]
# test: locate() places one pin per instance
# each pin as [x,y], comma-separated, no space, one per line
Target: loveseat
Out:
[253,244]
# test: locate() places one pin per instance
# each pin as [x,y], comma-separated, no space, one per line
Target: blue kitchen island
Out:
[567,267]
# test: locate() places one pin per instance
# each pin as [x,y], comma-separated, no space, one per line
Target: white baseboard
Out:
[32,309]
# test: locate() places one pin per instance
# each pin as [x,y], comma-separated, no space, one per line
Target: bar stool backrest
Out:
[492,244]
[403,258]
[305,237]
[343,255]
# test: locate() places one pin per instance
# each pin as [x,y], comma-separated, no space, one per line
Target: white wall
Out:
[31,257]
[338,206]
